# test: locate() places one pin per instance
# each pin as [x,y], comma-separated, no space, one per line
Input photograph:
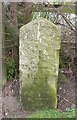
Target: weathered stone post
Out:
[39,63]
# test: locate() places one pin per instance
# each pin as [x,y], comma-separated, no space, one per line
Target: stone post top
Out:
[42,21]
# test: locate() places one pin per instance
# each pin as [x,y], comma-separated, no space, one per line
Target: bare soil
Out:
[12,107]
[66,94]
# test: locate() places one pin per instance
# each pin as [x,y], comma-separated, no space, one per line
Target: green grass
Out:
[53,113]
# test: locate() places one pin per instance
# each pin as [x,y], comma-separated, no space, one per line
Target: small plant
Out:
[64,60]
[10,66]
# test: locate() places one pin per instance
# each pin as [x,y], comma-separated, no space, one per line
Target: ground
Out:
[12,107]
[66,94]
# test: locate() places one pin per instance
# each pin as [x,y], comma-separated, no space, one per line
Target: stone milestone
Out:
[39,63]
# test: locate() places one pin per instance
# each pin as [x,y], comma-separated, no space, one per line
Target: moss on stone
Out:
[42,92]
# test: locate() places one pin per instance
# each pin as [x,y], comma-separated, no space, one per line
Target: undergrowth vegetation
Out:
[53,113]
[10,68]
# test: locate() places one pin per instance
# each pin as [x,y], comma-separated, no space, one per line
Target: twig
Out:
[68,101]
[59,13]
